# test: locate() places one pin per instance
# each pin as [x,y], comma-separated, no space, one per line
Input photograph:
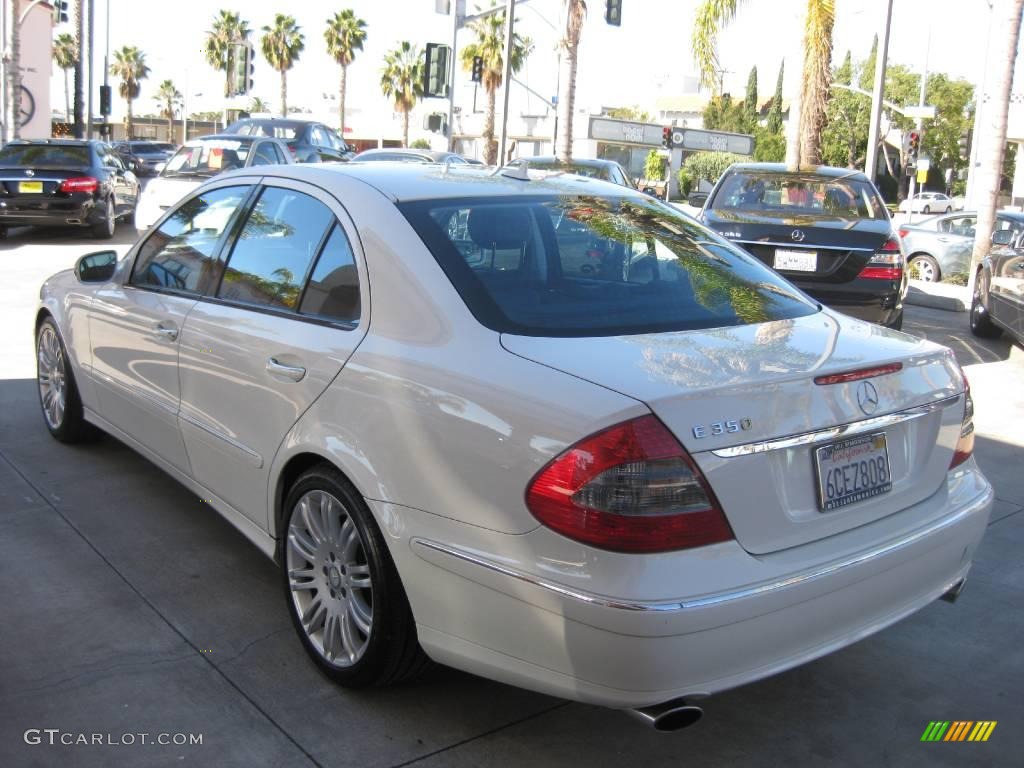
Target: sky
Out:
[648,56]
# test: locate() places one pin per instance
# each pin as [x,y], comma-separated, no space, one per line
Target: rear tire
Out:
[927,209]
[949,209]
[926,267]
[58,393]
[897,323]
[343,592]
[981,324]
[104,229]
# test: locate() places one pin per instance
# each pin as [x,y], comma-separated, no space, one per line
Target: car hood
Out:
[166,191]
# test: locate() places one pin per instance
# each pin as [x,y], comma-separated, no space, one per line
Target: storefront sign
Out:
[624,132]
[712,141]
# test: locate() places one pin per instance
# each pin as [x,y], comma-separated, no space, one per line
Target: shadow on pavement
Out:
[935,325]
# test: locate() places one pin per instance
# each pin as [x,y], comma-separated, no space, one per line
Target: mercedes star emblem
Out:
[29,172]
[797,235]
[867,397]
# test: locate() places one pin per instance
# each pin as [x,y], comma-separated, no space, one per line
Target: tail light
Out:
[629,488]
[904,232]
[294,149]
[887,263]
[965,445]
[79,184]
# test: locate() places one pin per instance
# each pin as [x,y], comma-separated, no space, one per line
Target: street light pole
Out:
[919,124]
[510,17]
[871,162]
[454,64]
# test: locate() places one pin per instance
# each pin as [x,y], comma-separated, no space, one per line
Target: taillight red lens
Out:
[904,232]
[965,445]
[887,263]
[79,184]
[860,373]
[629,488]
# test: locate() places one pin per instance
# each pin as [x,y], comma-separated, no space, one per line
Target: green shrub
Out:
[955,278]
[685,182]
[420,144]
[709,166]
[654,166]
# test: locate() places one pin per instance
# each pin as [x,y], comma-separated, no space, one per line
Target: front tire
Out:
[896,324]
[927,209]
[949,209]
[926,268]
[981,324]
[58,393]
[343,591]
[104,229]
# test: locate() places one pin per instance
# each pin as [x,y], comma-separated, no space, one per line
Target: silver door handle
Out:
[166,330]
[293,372]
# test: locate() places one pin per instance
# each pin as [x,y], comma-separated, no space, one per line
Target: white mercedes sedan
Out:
[531,425]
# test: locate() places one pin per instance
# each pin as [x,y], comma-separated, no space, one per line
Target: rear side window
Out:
[596,266]
[275,249]
[798,194]
[333,289]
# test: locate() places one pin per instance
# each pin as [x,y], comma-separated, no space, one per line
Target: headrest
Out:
[500,226]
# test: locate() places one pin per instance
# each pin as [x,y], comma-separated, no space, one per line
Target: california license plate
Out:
[796,261]
[852,470]
[30,187]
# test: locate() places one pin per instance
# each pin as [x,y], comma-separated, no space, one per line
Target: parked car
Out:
[406,155]
[825,229]
[307,140]
[144,158]
[942,245]
[633,486]
[200,159]
[998,302]
[608,170]
[65,183]
[927,202]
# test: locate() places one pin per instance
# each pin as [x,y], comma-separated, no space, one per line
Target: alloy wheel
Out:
[924,270]
[111,219]
[52,377]
[329,578]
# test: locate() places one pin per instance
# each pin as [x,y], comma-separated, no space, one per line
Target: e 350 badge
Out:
[716,428]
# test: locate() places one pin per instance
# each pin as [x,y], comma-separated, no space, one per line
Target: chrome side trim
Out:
[795,246]
[853,428]
[980,502]
[253,458]
[135,392]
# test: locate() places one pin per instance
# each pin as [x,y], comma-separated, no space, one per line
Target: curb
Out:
[923,298]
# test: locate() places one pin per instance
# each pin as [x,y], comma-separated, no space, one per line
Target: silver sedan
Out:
[941,246]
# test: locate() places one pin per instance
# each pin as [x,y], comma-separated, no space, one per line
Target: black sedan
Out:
[143,157]
[825,229]
[65,183]
[308,141]
[998,303]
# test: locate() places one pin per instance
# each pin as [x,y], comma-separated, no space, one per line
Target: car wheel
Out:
[927,209]
[923,267]
[896,324]
[104,229]
[58,394]
[343,592]
[949,209]
[981,324]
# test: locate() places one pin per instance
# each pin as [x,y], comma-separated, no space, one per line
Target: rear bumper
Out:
[876,301]
[491,614]
[60,214]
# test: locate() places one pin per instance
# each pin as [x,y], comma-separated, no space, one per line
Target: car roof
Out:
[588,162]
[424,181]
[816,170]
[285,121]
[55,142]
[230,137]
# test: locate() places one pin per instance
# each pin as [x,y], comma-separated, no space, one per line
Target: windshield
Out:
[596,266]
[798,194]
[208,158]
[51,155]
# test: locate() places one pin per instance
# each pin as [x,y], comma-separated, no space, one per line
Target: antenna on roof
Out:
[447,163]
[517,169]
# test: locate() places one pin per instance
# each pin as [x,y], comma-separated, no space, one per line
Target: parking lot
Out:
[131,608]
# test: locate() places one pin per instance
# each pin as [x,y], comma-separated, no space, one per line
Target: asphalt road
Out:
[130,608]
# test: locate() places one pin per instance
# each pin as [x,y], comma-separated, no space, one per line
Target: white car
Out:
[199,160]
[538,427]
[928,202]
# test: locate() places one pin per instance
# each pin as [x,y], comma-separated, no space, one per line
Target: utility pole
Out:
[4,84]
[919,123]
[91,21]
[454,64]
[871,161]
[510,17]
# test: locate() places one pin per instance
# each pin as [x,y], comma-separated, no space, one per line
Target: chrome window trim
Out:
[830,433]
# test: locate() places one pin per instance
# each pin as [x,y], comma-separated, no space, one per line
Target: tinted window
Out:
[265,154]
[959,225]
[592,266]
[275,249]
[145,147]
[180,253]
[333,289]
[48,155]
[799,194]
[208,158]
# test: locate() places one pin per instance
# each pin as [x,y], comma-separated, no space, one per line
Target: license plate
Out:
[30,187]
[852,470]
[796,261]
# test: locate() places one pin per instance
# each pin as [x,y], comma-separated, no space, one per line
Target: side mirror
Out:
[96,267]
[1002,237]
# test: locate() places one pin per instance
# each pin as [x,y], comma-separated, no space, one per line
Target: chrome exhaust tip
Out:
[953,592]
[74,221]
[670,716]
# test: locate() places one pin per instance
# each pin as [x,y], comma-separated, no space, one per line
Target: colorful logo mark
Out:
[958,730]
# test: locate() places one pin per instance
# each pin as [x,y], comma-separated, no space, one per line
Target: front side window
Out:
[596,266]
[798,194]
[273,252]
[181,253]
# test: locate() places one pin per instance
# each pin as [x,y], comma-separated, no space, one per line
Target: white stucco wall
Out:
[36,61]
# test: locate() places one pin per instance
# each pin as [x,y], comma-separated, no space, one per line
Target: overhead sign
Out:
[712,141]
[625,131]
[925,112]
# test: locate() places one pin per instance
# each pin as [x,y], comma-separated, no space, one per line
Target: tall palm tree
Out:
[229,29]
[401,80]
[256,104]
[345,34]
[1006,17]
[282,43]
[169,97]
[130,66]
[575,13]
[809,106]
[65,54]
[489,45]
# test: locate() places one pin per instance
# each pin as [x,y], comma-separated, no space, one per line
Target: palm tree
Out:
[65,54]
[345,34]
[816,79]
[130,66]
[402,81]
[169,97]
[256,104]
[490,46]
[575,13]
[993,140]
[282,43]
[229,29]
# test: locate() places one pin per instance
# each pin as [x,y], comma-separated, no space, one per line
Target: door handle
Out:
[166,330]
[943,239]
[293,372]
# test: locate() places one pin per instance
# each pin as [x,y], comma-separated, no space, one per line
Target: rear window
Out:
[798,194]
[596,266]
[55,156]
[286,131]
[208,158]
[590,171]
[145,147]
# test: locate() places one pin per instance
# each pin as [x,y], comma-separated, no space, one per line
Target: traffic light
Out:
[244,64]
[613,12]
[477,74]
[666,136]
[105,100]
[60,12]
[964,143]
[913,147]
[435,71]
